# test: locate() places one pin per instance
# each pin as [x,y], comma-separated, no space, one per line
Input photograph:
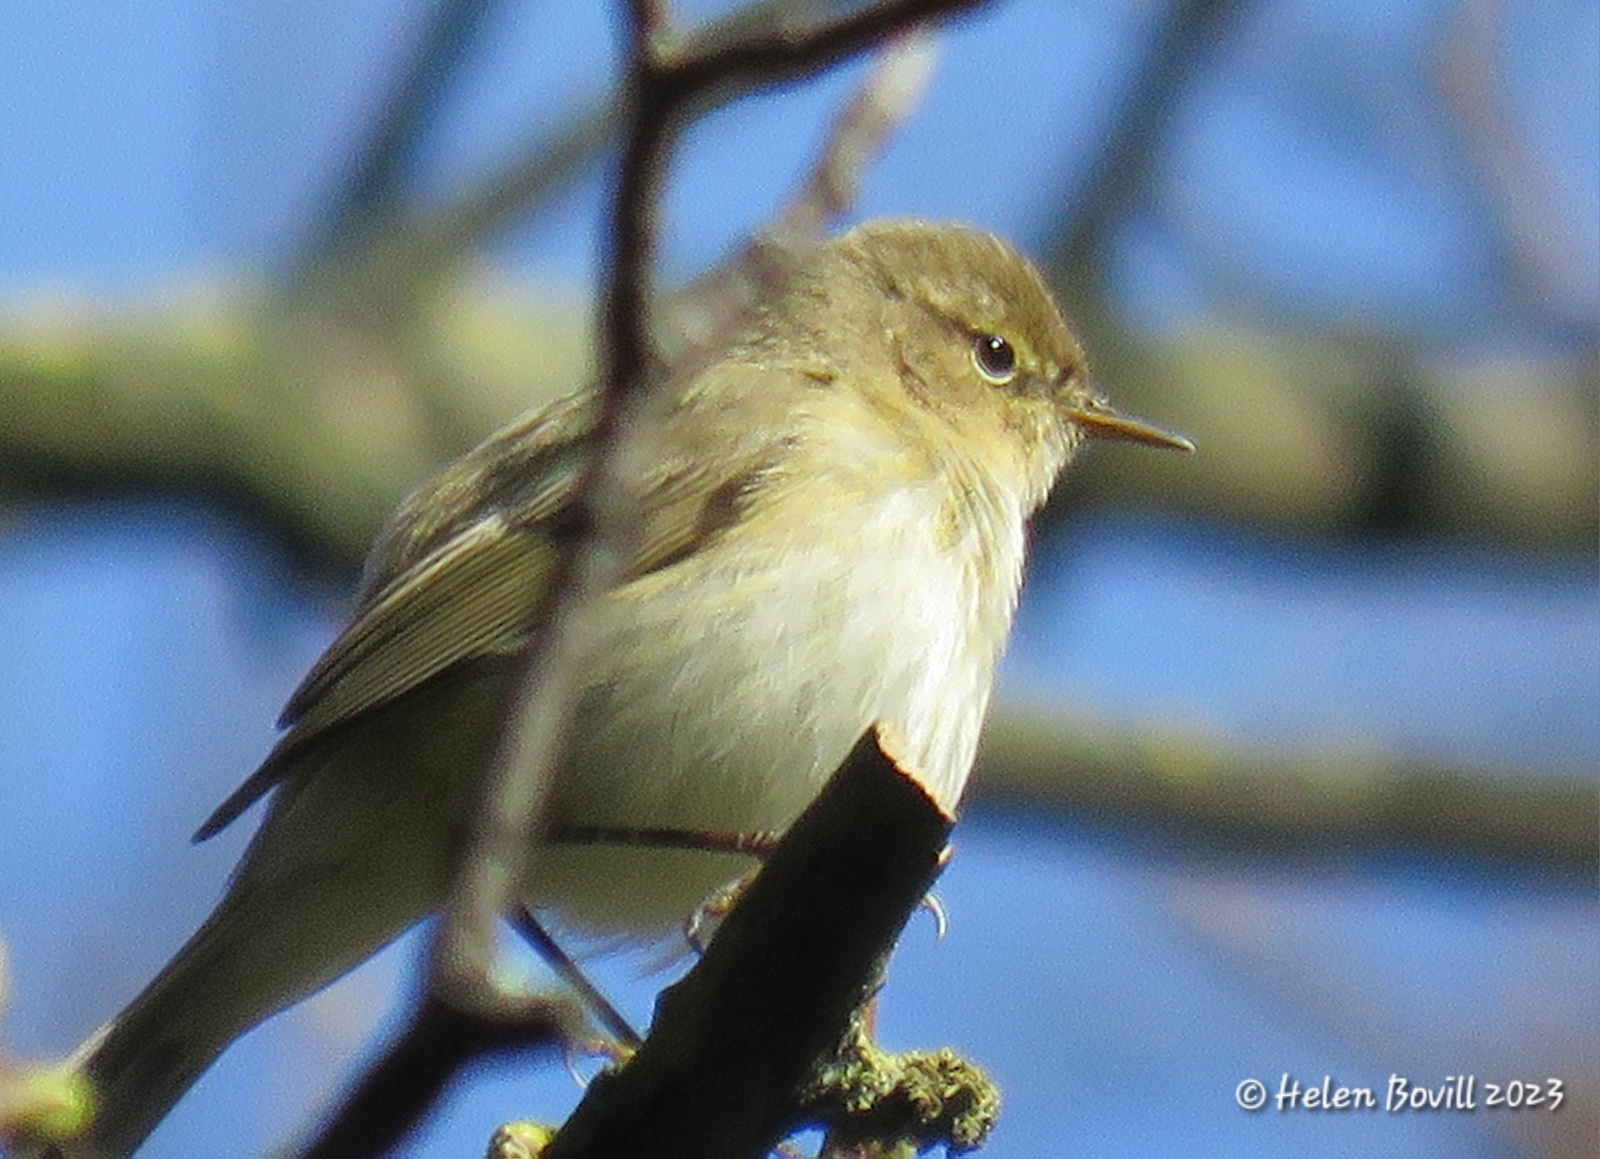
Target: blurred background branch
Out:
[314,431]
[1331,801]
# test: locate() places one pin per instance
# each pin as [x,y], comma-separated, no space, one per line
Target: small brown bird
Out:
[831,528]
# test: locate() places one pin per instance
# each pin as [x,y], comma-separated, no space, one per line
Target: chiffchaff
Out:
[831,523]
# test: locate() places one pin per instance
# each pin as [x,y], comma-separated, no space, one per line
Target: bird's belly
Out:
[729,722]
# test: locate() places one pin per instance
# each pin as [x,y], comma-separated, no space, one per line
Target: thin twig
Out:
[371,189]
[696,320]
[891,92]
[510,813]
[1545,257]
[1187,35]
[550,160]
[611,1020]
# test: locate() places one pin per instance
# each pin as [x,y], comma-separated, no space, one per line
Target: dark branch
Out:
[736,1044]
[780,55]
[395,1093]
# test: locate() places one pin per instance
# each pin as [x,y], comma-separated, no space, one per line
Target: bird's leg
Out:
[702,923]
[935,908]
[609,1017]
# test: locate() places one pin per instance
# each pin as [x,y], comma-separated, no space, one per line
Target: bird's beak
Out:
[1101,420]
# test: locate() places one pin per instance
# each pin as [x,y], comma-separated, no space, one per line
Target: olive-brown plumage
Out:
[830,524]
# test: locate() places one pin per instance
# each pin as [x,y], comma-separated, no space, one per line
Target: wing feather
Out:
[476,595]
[460,572]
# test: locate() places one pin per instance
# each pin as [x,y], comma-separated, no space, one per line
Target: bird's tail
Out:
[261,951]
[143,1061]
[357,847]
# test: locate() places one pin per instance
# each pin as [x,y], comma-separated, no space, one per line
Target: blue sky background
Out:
[1118,987]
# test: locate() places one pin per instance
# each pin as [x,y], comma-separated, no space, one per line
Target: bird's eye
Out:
[994,358]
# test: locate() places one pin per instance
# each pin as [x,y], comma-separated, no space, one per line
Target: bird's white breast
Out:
[722,690]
